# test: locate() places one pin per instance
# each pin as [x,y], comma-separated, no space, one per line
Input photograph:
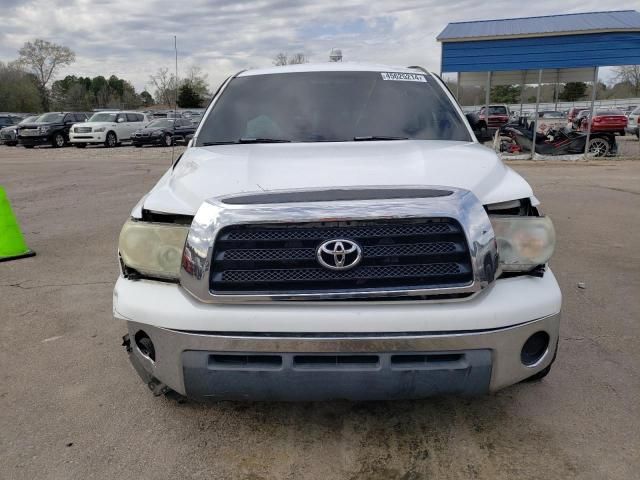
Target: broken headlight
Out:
[153,249]
[523,242]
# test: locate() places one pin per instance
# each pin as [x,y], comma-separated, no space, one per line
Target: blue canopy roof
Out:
[571,41]
[569,24]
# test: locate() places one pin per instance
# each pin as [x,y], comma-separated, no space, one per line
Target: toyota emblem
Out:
[339,254]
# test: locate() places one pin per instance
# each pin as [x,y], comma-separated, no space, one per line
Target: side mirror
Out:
[473,119]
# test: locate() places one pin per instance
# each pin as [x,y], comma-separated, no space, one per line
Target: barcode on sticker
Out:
[403,77]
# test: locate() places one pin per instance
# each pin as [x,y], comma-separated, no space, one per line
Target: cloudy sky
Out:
[132,38]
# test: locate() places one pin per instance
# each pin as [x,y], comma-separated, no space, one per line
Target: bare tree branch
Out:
[44,59]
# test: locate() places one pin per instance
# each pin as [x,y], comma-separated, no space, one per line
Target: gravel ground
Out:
[72,407]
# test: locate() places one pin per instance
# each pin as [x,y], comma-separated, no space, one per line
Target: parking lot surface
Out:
[71,406]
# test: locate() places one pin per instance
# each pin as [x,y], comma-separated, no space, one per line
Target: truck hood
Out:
[206,172]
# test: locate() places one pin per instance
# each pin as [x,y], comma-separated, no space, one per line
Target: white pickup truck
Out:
[336,231]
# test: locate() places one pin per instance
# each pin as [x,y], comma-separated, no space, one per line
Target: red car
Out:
[606,121]
[498,115]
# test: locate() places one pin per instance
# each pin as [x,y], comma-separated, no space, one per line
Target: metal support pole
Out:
[487,99]
[522,84]
[593,103]
[535,117]
[458,87]
[555,89]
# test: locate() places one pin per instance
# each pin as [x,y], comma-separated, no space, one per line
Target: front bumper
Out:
[311,367]
[8,139]
[32,141]
[91,137]
[147,140]
[188,334]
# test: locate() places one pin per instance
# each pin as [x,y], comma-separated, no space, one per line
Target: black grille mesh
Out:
[396,254]
[315,233]
[310,274]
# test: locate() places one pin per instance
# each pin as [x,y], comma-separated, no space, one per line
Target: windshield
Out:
[164,123]
[333,107]
[104,117]
[496,110]
[51,117]
[29,119]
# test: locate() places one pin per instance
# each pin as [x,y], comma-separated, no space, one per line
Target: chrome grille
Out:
[397,254]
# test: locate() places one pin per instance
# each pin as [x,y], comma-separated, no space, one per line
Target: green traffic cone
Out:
[12,245]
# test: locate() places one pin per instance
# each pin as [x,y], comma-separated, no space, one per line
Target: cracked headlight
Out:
[523,242]
[153,249]
[99,129]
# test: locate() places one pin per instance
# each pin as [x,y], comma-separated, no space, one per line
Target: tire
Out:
[111,140]
[168,140]
[28,146]
[598,147]
[80,145]
[57,141]
[137,145]
[11,144]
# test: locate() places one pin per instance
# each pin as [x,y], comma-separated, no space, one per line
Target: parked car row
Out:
[108,128]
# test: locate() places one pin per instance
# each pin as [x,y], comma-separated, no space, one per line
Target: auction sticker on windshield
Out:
[403,77]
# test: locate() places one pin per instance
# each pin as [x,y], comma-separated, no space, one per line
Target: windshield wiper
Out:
[370,138]
[263,140]
[247,140]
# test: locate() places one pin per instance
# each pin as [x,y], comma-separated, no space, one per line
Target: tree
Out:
[283,59]
[280,59]
[165,86]
[188,97]
[298,58]
[146,98]
[573,91]
[18,90]
[505,94]
[44,59]
[78,93]
[198,81]
[629,74]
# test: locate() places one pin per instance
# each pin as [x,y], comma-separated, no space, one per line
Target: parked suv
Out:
[107,128]
[337,231]
[49,129]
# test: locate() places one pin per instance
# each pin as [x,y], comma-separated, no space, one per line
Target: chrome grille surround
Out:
[461,205]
